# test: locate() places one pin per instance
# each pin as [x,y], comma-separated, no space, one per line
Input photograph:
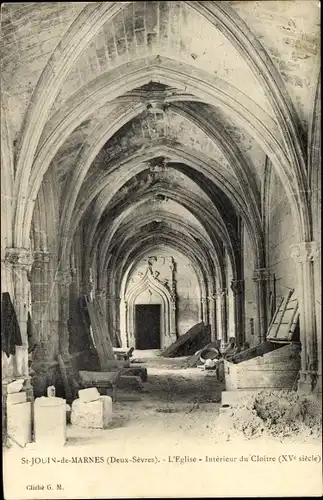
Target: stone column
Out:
[110,305]
[212,317]
[261,277]
[40,293]
[221,302]
[204,310]
[63,279]
[124,323]
[318,315]
[45,328]
[305,255]
[237,287]
[173,329]
[116,319]
[20,261]
[78,341]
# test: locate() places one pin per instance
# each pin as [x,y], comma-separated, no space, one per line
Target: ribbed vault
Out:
[134,139]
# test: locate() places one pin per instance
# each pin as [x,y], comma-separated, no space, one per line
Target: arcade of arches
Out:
[160,154]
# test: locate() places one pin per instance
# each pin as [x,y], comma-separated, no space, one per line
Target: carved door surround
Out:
[149,281]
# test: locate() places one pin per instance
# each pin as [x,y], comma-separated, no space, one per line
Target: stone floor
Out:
[162,443]
[175,402]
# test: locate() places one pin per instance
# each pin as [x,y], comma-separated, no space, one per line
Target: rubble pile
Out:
[277,414]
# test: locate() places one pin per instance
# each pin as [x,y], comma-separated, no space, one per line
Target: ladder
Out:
[285,319]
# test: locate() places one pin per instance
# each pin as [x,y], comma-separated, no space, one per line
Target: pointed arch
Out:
[168,309]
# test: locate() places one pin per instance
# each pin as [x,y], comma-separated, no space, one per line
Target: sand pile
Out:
[277,414]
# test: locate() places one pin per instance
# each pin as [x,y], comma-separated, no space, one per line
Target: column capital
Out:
[306,251]
[211,298]
[221,292]
[261,275]
[41,258]
[21,258]
[237,286]
[101,293]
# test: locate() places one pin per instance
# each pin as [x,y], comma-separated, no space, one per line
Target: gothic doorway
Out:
[148,326]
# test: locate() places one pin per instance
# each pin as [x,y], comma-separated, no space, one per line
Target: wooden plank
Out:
[96,335]
[287,333]
[105,335]
[85,320]
[100,333]
[192,332]
[197,331]
[252,352]
[282,312]
[285,321]
[118,337]
[274,318]
[103,322]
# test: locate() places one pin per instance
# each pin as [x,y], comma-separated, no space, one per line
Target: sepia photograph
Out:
[161,249]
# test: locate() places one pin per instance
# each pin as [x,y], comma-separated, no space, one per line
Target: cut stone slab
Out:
[16,397]
[50,421]
[92,415]
[15,386]
[107,410]
[89,395]
[19,423]
[277,369]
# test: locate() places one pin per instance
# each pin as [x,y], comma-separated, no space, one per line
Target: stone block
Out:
[19,423]
[107,410]
[16,397]
[276,369]
[15,386]
[50,421]
[89,395]
[94,414]
[51,391]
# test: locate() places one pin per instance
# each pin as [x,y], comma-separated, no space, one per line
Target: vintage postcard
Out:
[161,249]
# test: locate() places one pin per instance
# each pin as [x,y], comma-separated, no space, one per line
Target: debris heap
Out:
[277,414]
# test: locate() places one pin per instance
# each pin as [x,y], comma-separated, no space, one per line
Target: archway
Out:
[149,290]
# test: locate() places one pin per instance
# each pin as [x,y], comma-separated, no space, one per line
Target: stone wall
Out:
[187,289]
[281,235]
[251,325]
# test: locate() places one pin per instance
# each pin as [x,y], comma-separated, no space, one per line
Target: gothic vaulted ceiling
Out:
[157,119]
